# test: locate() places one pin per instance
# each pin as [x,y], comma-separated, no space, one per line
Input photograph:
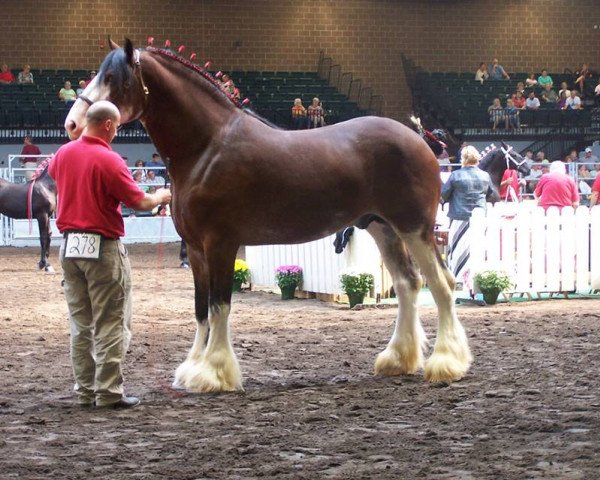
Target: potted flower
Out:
[356,285]
[288,277]
[241,274]
[491,283]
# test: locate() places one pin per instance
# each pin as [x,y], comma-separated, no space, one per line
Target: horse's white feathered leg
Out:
[183,372]
[218,369]
[451,357]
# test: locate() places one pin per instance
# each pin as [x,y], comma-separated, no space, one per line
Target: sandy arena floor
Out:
[529,407]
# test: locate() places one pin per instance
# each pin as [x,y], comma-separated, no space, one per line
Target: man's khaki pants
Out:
[98,294]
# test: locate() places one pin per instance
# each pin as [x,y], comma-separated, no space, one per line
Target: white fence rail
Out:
[543,251]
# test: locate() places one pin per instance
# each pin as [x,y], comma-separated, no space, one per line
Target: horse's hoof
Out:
[184,265]
[49,269]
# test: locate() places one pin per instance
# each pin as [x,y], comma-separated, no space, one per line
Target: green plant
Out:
[288,275]
[356,282]
[493,280]
[241,271]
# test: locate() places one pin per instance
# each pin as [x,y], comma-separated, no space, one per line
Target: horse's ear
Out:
[504,145]
[129,51]
[111,44]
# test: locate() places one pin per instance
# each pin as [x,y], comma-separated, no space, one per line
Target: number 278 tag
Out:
[83,245]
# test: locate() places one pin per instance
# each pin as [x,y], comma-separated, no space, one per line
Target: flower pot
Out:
[355,298]
[237,286]
[287,291]
[491,296]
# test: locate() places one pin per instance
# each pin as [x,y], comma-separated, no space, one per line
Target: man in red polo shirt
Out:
[28,162]
[92,181]
[595,192]
[556,188]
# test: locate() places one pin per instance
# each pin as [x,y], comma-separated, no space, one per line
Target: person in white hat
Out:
[589,157]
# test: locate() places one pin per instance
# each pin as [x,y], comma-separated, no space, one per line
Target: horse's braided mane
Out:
[209,78]
[488,152]
[41,168]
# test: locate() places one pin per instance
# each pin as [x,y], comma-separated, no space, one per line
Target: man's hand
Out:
[164,194]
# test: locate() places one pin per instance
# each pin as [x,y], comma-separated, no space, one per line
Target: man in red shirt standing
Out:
[595,192]
[92,181]
[556,188]
[509,186]
[28,162]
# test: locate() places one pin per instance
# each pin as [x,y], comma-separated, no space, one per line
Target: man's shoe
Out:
[125,402]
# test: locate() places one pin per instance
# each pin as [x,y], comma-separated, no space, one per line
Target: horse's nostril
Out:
[71,125]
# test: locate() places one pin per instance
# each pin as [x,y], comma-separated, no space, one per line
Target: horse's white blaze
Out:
[217,369]
[451,356]
[404,352]
[182,374]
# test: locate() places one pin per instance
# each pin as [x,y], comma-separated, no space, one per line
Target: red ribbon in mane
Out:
[38,171]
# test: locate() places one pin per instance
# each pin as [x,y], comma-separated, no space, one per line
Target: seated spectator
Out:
[25,76]
[519,100]
[139,164]
[549,96]
[573,155]
[545,166]
[529,157]
[545,79]
[496,113]
[588,156]
[564,88]
[562,100]
[573,102]
[595,171]
[583,172]
[137,176]
[153,179]
[159,167]
[497,72]
[227,84]
[530,81]
[521,88]
[316,114]
[532,102]
[6,75]
[67,94]
[556,188]
[299,118]
[81,88]
[90,78]
[533,177]
[511,115]
[482,73]
[582,77]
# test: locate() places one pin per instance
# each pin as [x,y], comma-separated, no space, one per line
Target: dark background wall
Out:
[367,37]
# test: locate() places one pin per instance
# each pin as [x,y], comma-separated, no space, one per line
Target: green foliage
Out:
[493,279]
[355,282]
[241,271]
[288,275]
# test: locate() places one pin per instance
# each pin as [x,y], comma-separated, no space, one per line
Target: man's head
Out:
[544,73]
[532,95]
[547,87]
[588,152]
[28,140]
[103,119]
[151,174]
[558,166]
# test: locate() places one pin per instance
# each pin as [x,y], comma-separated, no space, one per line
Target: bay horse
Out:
[33,199]
[237,180]
[496,159]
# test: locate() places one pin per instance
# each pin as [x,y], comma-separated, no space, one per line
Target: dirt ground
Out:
[312,409]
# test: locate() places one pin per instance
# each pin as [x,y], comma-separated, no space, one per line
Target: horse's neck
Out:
[184,110]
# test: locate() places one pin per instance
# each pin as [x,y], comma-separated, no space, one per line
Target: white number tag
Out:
[83,245]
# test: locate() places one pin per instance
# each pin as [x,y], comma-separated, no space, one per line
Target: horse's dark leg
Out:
[451,356]
[200,272]
[45,238]
[218,369]
[183,255]
[404,352]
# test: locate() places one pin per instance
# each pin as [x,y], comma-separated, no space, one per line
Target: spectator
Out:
[545,166]
[588,156]
[595,191]
[583,172]
[497,72]
[556,188]
[549,96]
[25,76]
[530,81]
[540,156]
[67,94]
[564,88]
[137,177]
[227,84]
[90,78]
[299,119]
[511,115]
[595,171]
[573,102]
[6,75]
[545,79]
[157,165]
[581,78]
[532,102]
[573,155]
[139,164]
[81,88]
[496,113]
[533,177]
[519,100]
[316,114]
[153,179]
[562,101]
[482,73]
[27,162]
[465,189]
[529,157]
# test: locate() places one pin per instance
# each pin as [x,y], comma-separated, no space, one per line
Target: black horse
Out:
[16,202]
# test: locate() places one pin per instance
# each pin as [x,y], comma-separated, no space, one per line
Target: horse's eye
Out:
[108,77]
[127,84]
